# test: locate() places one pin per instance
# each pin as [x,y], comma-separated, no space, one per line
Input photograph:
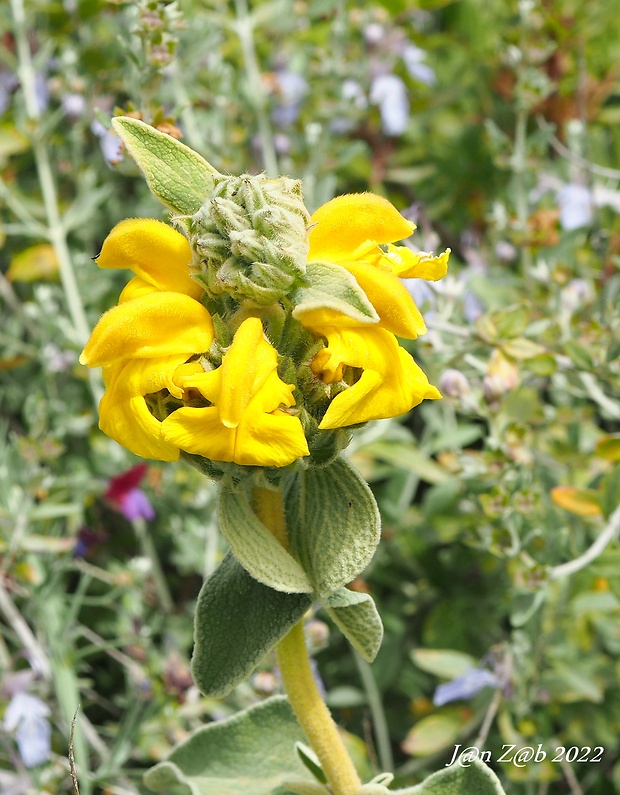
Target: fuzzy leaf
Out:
[357,618]
[252,752]
[310,760]
[457,780]
[330,286]
[238,620]
[305,788]
[256,548]
[333,524]
[522,348]
[179,177]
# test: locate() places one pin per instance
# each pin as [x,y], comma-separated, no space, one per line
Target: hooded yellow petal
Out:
[123,413]
[152,325]
[345,223]
[135,288]
[409,264]
[245,367]
[245,424]
[154,251]
[274,439]
[260,439]
[391,299]
[391,382]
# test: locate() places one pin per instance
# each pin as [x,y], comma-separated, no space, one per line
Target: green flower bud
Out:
[249,239]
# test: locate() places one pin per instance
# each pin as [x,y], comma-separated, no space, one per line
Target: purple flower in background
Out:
[575,202]
[27,716]
[109,142]
[414,58]
[123,493]
[8,83]
[390,93]
[291,89]
[86,539]
[74,105]
[464,687]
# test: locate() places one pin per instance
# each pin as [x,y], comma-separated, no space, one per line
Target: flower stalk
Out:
[310,710]
[313,715]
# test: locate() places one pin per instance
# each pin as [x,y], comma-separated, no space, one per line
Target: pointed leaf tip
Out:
[179,177]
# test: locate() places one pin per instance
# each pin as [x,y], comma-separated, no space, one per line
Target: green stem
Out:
[311,711]
[256,93]
[379,721]
[149,551]
[55,228]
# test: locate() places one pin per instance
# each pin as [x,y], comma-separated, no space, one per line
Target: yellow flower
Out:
[357,231]
[391,382]
[144,344]
[349,231]
[245,423]
[140,343]
[161,397]
[155,252]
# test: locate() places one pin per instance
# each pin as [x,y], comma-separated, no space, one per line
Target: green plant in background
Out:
[194,358]
[493,126]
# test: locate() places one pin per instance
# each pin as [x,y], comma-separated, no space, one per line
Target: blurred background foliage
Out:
[493,124]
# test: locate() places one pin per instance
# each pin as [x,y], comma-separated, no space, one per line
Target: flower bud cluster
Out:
[249,239]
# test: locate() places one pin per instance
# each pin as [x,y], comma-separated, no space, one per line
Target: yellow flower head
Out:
[175,382]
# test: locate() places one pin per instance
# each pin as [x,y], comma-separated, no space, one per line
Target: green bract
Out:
[179,177]
[238,620]
[333,524]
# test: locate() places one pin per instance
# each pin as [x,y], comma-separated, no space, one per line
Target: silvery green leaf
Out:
[179,177]
[298,787]
[333,524]
[256,548]
[357,618]
[238,620]
[330,286]
[252,752]
[457,780]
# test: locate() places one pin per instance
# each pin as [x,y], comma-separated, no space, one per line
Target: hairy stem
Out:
[310,710]
[313,715]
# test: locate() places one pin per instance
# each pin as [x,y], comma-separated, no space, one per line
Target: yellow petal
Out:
[391,299]
[260,439]
[274,439]
[391,383]
[152,325]
[135,288]
[154,251]
[245,424]
[347,222]
[245,367]
[416,265]
[123,413]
